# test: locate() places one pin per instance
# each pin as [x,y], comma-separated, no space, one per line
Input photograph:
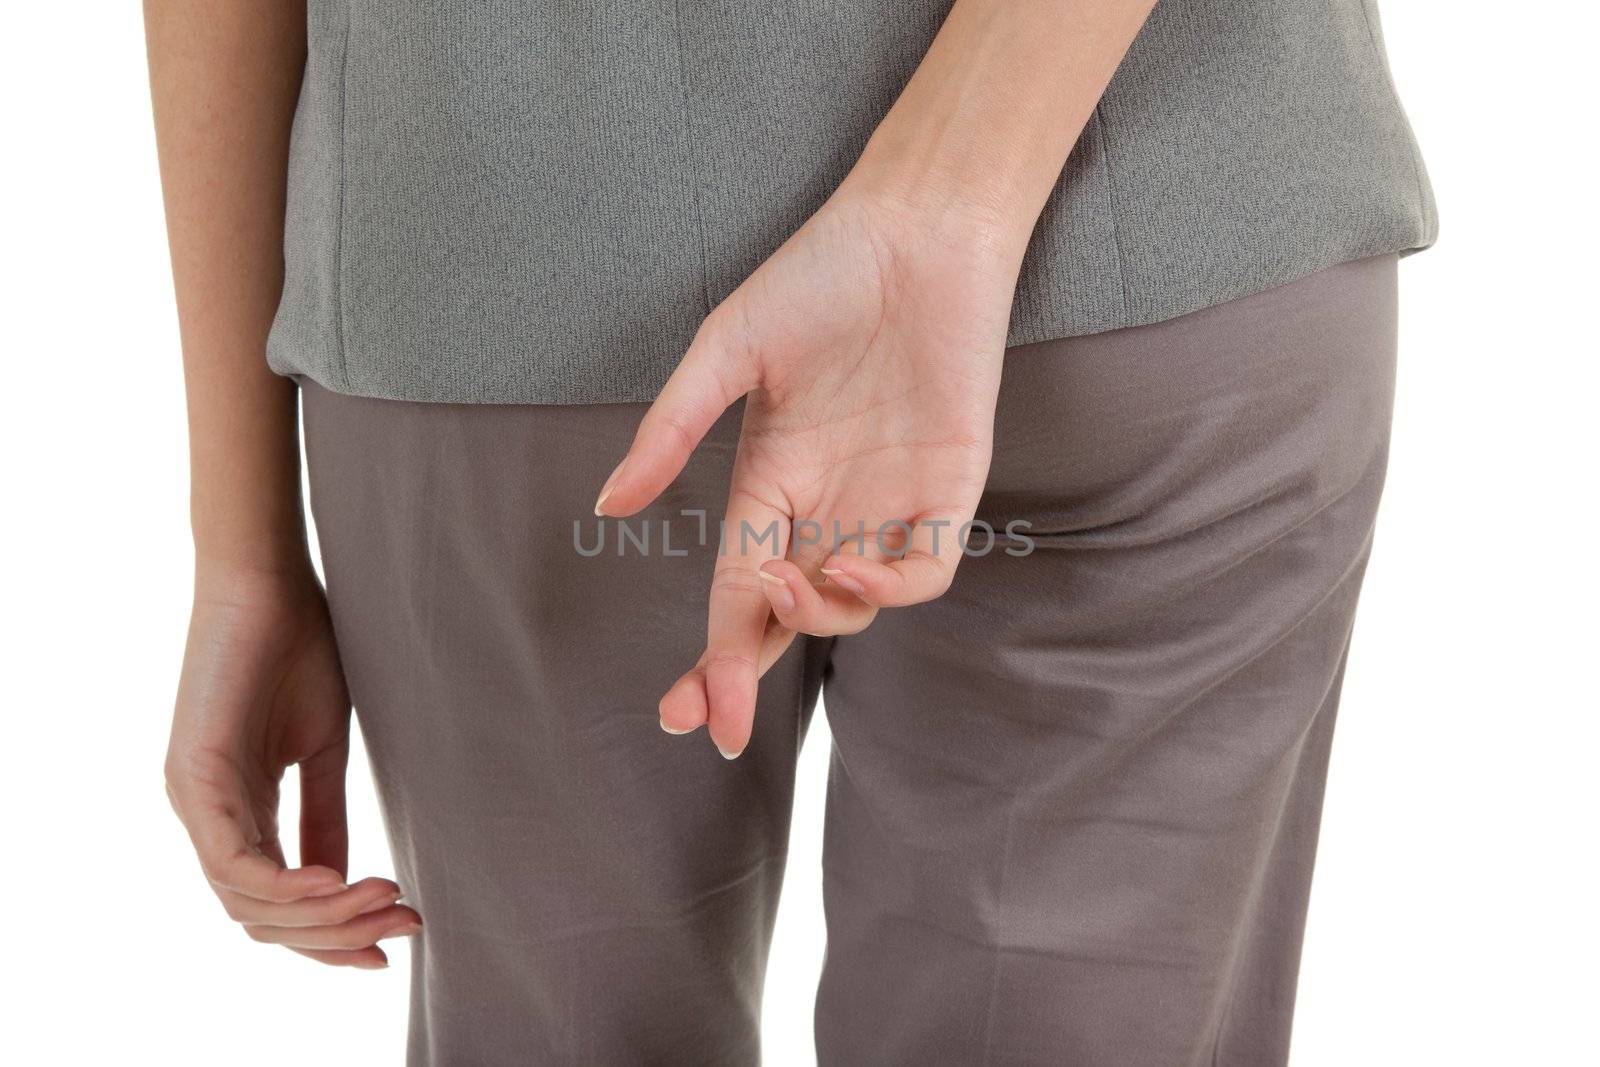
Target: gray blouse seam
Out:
[689,153]
[1102,128]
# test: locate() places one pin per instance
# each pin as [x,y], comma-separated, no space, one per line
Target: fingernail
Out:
[843,580]
[781,593]
[605,490]
[376,965]
[673,732]
[328,891]
[726,754]
[402,931]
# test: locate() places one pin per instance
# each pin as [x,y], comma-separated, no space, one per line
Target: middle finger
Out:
[366,895]
[359,932]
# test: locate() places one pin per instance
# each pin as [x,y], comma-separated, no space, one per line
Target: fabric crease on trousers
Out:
[1072,806]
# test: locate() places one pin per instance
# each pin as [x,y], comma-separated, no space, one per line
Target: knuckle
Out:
[172,784]
[729,659]
[324,825]
[851,622]
[809,623]
[345,912]
[737,580]
[675,426]
[854,626]
[927,577]
[815,621]
[721,337]
[832,629]
[940,585]
[351,937]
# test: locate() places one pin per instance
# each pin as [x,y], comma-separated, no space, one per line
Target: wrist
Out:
[268,538]
[937,202]
[255,578]
[245,509]
[985,124]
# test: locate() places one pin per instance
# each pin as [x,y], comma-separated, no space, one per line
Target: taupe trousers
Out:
[1073,803]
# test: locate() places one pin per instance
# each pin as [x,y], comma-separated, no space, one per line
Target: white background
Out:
[1453,920]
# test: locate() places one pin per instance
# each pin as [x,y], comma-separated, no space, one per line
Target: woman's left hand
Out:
[869,349]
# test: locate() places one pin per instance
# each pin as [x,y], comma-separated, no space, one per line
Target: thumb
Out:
[324,833]
[714,373]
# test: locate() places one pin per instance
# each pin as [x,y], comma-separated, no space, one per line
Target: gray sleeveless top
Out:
[537,201]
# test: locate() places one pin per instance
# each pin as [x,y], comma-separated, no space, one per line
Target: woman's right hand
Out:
[261,691]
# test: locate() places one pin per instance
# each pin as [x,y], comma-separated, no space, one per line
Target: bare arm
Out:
[989,117]
[224,78]
[869,347]
[261,689]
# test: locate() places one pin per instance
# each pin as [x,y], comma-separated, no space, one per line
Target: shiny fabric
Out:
[1073,804]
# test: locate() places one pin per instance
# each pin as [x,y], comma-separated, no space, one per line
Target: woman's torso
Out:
[536,201]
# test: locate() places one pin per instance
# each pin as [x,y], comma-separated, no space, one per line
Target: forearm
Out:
[986,123]
[224,79]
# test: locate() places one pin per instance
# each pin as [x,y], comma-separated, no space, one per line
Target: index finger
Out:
[708,380]
[230,861]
